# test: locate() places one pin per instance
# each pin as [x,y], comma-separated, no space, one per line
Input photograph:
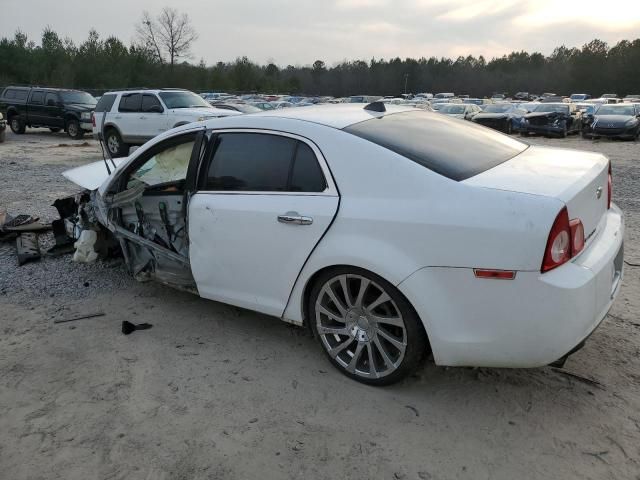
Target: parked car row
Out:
[559,119]
[132,117]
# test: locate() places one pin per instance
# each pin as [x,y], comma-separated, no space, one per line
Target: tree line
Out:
[98,64]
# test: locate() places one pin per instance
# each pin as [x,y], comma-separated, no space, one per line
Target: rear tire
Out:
[17,126]
[114,144]
[74,130]
[374,335]
[3,136]
[509,128]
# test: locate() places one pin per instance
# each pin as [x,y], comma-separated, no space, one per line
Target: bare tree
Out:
[169,36]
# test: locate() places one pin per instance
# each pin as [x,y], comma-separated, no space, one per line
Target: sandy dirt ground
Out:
[215,392]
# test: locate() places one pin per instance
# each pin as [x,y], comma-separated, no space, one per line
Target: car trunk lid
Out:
[579,179]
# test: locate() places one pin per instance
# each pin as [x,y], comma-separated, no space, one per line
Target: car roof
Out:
[145,90]
[339,115]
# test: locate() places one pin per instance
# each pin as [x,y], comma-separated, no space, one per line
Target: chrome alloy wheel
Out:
[113,144]
[360,326]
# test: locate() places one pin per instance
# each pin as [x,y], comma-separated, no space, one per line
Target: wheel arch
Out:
[70,116]
[180,124]
[12,111]
[313,278]
[112,126]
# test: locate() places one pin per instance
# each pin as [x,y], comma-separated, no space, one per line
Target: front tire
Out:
[509,127]
[74,130]
[115,145]
[3,136]
[366,327]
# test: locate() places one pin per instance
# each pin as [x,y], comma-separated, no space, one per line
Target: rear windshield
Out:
[445,145]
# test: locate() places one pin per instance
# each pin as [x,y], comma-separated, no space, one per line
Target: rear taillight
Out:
[609,188]
[577,236]
[93,119]
[565,241]
[558,249]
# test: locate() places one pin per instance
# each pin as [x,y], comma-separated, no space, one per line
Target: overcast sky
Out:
[300,31]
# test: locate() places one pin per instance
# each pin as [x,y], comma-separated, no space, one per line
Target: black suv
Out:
[53,108]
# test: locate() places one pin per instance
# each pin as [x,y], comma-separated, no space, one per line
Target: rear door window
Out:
[51,99]
[263,163]
[306,174]
[439,142]
[130,103]
[37,97]
[251,162]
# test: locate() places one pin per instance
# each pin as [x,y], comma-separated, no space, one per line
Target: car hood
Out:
[80,107]
[92,175]
[204,112]
[545,114]
[615,120]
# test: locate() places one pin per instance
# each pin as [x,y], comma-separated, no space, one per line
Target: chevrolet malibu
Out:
[391,232]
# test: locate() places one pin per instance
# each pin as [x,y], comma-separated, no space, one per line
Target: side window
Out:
[21,94]
[9,93]
[37,97]
[167,165]
[150,103]
[251,162]
[263,163]
[306,175]
[51,99]
[105,103]
[130,103]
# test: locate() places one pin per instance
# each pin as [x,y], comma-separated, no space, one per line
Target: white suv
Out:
[131,117]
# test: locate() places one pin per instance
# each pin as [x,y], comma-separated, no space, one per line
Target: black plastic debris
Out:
[128,327]
[27,247]
[64,243]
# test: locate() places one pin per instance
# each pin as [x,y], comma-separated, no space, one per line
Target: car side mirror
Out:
[155,109]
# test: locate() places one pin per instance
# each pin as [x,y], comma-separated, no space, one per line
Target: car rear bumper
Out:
[530,321]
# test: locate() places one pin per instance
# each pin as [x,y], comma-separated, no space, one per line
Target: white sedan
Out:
[390,231]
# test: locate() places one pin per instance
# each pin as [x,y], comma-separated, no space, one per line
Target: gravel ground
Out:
[212,391]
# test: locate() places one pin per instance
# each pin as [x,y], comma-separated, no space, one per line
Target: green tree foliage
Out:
[98,64]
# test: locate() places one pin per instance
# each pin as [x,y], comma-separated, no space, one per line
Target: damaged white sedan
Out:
[391,232]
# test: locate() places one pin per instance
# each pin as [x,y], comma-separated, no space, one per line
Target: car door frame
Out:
[53,113]
[36,111]
[207,158]
[200,174]
[126,118]
[158,120]
[118,183]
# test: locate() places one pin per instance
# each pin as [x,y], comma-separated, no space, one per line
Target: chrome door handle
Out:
[143,118]
[293,218]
